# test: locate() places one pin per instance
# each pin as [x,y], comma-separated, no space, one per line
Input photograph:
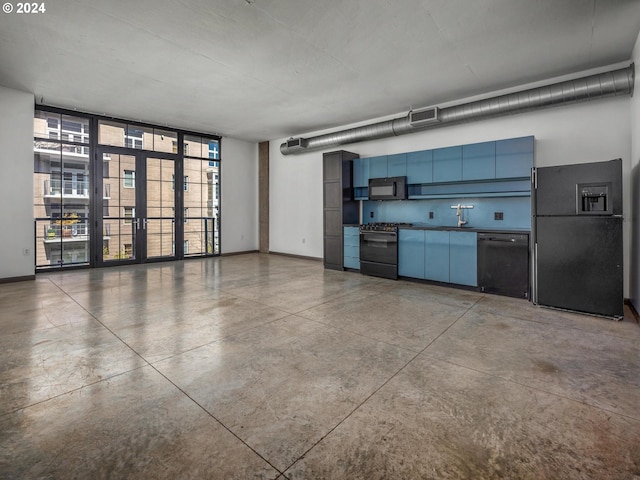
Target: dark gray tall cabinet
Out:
[338,203]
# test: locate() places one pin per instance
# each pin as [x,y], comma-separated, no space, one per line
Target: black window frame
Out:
[96,243]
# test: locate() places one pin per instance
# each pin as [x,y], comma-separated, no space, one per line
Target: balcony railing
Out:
[78,232]
[66,188]
[76,151]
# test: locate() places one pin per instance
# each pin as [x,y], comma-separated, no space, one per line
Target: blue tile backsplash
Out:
[516,212]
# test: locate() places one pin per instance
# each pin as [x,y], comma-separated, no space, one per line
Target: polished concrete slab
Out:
[265,366]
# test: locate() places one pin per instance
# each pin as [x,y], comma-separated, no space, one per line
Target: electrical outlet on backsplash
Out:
[516,212]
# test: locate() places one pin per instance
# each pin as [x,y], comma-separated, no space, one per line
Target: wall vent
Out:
[297,143]
[427,115]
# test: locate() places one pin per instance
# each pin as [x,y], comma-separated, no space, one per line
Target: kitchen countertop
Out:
[418,226]
[469,229]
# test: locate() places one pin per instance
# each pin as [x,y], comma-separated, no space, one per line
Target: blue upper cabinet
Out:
[420,167]
[447,164]
[503,159]
[361,172]
[378,167]
[514,157]
[397,165]
[479,161]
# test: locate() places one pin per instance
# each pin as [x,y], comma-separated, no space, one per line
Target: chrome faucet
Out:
[459,209]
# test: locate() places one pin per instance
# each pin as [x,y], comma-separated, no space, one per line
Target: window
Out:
[129,180]
[214,151]
[186,214]
[67,206]
[185,182]
[133,138]
[70,129]
[129,213]
[61,169]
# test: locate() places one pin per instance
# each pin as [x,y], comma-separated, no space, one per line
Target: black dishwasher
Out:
[503,263]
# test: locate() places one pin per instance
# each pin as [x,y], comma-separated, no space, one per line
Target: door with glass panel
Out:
[137,217]
[159,222]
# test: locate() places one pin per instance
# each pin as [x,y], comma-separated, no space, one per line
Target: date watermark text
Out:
[32,7]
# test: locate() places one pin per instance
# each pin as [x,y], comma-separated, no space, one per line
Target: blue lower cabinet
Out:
[351,251]
[351,262]
[411,253]
[436,255]
[463,258]
[351,248]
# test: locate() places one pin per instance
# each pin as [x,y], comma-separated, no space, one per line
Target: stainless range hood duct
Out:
[615,82]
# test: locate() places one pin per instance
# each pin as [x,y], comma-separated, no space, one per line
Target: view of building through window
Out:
[61,189]
[137,219]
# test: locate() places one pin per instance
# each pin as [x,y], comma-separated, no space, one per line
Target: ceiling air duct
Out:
[607,84]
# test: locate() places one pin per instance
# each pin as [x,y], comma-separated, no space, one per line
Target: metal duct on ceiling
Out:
[615,82]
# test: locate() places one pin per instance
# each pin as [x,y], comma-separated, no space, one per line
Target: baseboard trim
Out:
[17,279]
[244,252]
[628,303]
[303,257]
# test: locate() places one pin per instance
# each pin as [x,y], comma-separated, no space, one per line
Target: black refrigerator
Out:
[577,237]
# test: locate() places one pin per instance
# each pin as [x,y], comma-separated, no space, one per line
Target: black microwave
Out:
[392,188]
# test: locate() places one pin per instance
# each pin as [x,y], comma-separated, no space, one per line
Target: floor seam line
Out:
[556,325]
[24,407]
[353,411]
[375,391]
[216,419]
[581,402]
[104,326]
[451,325]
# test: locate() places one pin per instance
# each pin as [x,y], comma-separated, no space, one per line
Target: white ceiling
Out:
[266,69]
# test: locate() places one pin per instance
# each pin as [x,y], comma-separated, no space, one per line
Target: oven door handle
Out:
[377,240]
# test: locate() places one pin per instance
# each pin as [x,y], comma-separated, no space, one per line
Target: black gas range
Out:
[382,227]
[379,249]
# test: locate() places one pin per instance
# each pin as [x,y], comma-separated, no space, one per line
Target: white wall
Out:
[585,132]
[635,181]
[239,192]
[295,202]
[16,184]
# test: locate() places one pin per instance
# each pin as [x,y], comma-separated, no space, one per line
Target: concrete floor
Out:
[264,366]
